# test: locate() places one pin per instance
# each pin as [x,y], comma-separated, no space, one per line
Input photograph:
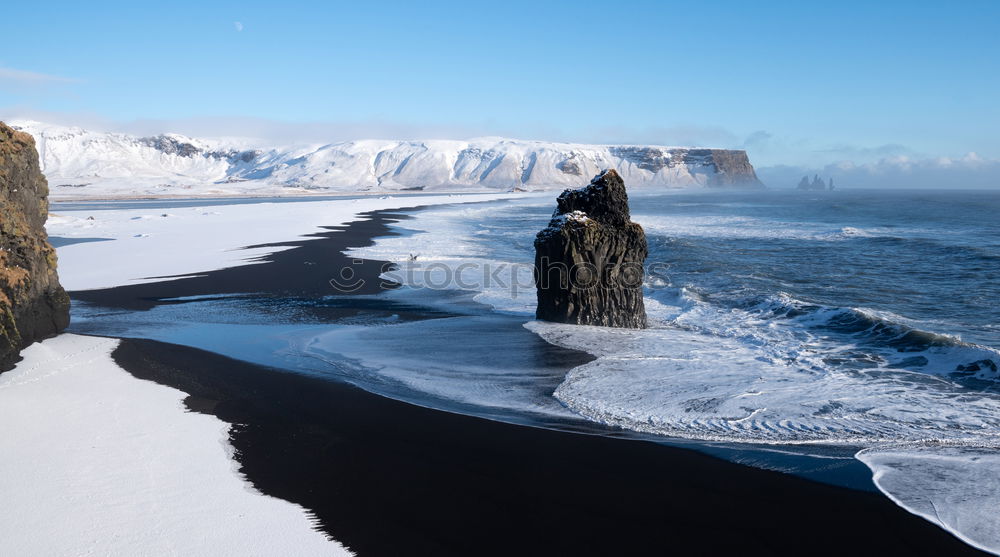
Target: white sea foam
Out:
[745,227]
[674,382]
[812,335]
[449,248]
[955,487]
[385,355]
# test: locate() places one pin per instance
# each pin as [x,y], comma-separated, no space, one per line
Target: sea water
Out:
[862,319]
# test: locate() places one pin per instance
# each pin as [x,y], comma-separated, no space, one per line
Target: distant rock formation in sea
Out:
[32,304]
[81,163]
[817,184]
[589,260]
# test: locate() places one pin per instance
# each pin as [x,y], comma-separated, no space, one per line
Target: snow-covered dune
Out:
[82,163]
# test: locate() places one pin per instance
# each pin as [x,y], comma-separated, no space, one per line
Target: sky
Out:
[800,85]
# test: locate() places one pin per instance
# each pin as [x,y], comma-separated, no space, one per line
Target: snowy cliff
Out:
[81,163]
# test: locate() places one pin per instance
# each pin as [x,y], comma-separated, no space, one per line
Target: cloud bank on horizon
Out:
[970,171]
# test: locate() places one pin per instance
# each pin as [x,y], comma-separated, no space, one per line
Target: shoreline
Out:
[453,482]
[385,477]
[280,272]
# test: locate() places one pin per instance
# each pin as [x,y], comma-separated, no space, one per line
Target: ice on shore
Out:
[97,462]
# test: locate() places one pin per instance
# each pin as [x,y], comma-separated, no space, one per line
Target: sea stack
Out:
[32,304]
[589,260]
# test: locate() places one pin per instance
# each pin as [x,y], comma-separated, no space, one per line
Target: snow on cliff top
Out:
[84,163]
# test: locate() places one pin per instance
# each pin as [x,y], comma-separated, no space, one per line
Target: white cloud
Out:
[238,25]
[25,77]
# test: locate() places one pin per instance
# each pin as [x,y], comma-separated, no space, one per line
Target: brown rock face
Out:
[733,169]
[589,261]
[729,168]
[32,304]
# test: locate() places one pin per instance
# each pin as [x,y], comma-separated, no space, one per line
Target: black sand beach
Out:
[390,478]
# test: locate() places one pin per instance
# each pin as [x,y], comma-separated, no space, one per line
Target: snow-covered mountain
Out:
[82,163]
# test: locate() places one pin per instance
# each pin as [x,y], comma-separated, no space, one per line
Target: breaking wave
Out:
[782,371]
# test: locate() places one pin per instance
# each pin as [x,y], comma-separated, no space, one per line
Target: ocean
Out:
[782,317]
[865,320]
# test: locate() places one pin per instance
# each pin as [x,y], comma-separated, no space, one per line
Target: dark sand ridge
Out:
[390,478]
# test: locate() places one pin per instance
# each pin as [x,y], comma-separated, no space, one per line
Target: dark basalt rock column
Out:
[589,261]
[32,304]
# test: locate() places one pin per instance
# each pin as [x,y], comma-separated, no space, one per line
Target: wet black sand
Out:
[390,478]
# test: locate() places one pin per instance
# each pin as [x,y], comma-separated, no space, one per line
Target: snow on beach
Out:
[149,243]
[97,462]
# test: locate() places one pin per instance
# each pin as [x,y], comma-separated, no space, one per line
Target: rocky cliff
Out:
[589,260]
[732,169]
[32,304]
[719,168]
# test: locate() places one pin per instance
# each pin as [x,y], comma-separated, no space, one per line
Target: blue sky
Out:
[798,83]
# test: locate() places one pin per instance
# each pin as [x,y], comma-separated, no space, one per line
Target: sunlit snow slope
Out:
[82,163]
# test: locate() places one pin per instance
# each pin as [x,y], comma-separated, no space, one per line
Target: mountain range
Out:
[84,163]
